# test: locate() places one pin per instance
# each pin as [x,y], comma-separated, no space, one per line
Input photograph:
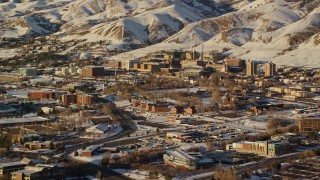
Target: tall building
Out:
[270,69]
[32,71]
[251,68]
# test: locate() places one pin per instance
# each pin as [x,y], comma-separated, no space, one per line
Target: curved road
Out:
[128,126]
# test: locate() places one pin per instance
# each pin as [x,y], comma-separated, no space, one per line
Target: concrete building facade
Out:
[261,148]
[251,68]
[32,71]
[270,69]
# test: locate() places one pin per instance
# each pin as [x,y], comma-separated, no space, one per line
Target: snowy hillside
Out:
[284,31]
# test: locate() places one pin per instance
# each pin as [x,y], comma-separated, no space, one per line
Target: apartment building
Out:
[251,68]
[270,69]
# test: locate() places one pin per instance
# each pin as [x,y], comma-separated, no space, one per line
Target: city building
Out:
[93,71]
[89,151]
[12,78]
[262,148]
[38,95]
[85,99]
[6,110]
[190,110]
[192,55]
[132,62]
[234,65]
[160,108]
[179,159]
[115,64]
[235,62]
[153,67]
[177,110]
[34,145]
[251,68]
[68,99]
[15,122]
[6,168]
[191,64]
[40,171]
[32,71]
[101,128]
[270,69]
[309,124]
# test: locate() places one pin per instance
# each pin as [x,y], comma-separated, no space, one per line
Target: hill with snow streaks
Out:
[284,31]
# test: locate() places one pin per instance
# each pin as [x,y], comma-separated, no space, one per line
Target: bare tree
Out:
[225,174]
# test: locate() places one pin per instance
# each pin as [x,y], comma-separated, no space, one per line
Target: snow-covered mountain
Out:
[284,31]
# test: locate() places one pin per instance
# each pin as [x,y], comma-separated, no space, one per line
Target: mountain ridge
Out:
[282,28]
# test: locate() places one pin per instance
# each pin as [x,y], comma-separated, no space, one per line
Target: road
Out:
[267,162]
[126,123]
[128,126]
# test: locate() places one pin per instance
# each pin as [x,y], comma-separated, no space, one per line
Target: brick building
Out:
[68,99]
[93,71]
[309,124]
[40,171]
[115,64]
[177,110]
[35,95]
[37,145]
[153,67]
[89,151]
[85,99]
[235,62]
[190,110]
[160,108]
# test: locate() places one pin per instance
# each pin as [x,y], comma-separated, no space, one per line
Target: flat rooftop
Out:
[22,120]
[24,171]
[15,163]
